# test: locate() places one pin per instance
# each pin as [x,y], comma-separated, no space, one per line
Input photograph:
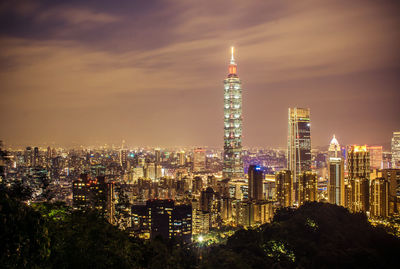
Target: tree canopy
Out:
[316,235]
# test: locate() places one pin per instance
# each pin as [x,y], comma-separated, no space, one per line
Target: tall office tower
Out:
[299,142]
[336,181]
[123,158]
[396,150]
[307,187]
[358,173]
[379,202]
[284,188]
[181,158]
[28,156]
[199,160]
[255,183]
[376,157]
[233,161]
[335,173]
[157,154]
[36,157]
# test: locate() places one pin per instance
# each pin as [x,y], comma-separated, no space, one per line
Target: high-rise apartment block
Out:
[376,156]
[95,193]
[233,162]
[284,188]
[307,187]
[379,197]
[358,165]
[393,177]
[199,160]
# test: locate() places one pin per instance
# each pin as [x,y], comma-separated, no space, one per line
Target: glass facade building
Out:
[299,142]
[233,161]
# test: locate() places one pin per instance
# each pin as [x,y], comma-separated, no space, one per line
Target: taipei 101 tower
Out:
[233,162]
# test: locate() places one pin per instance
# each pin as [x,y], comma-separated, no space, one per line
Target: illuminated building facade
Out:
[336,188]
[393,177]
[199,160]
[181,158]
[396,150]
[307,187]
[358,162]
[358,165]
[124,158]
[162,218]
[28,156]
[233,161]
[336,181]
[255,183]
[379,203]
[284,188]
[95,194]
[375,154]
[299,142]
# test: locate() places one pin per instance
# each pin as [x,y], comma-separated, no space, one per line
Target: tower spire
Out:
[232,64]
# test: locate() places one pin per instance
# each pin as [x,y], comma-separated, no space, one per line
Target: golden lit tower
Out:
[233,162]
[359,175]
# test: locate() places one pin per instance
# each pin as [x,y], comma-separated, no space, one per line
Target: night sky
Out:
[151,72]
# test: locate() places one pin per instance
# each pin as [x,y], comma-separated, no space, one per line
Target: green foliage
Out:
[317,235]
[25,242]
[51,235]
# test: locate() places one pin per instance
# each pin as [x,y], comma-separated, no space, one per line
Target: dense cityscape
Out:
[229,206]
[193,190]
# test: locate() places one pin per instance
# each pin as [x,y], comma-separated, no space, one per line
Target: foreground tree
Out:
[317,235]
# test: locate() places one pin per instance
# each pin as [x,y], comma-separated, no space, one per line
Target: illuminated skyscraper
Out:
[199,160]
[255,183]
[181,158]
[157,156]
[307,187]
[284,188]
[396,150]
[336,181]
[36,157]
[233,162]
[28,156]
[299,142]
[336,174]
[375,153]
[379,203]
[359,174]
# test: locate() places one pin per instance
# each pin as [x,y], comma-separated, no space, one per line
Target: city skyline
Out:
[76,72]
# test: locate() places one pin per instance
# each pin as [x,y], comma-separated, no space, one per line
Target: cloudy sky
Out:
[151,72]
